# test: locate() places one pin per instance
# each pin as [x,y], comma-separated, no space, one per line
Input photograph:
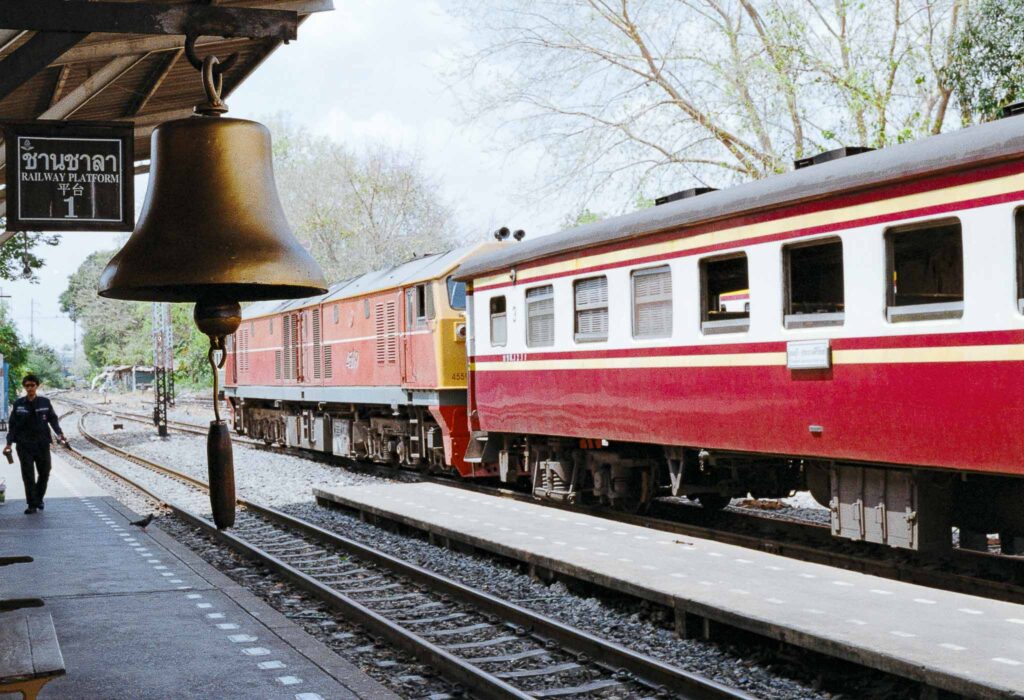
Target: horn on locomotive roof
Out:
[684,194]
[1012,110]
[502,233]
[519,234]
[826,156]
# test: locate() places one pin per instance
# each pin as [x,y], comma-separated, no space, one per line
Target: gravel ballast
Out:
[286,482]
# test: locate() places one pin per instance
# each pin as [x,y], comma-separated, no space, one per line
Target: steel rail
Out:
[656,674]
[995,576]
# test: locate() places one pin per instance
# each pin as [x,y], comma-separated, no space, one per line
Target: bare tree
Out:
[630,96]
[358,212]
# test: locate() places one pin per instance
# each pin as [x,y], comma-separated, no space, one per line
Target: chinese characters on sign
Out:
[69,176]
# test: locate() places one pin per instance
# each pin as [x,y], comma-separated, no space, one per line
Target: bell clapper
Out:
[218,320]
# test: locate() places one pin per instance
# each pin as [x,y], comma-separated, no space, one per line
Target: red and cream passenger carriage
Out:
[876,358]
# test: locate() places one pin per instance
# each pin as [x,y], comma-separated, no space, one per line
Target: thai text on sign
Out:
[67,178]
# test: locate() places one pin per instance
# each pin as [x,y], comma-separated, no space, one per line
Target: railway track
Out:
[963,571]
[492,647]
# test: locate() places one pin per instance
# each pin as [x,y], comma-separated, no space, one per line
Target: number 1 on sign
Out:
[71,208]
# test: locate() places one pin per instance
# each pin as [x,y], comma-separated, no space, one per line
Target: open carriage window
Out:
[814,284]
[499,327]
[925,272]
[725,288]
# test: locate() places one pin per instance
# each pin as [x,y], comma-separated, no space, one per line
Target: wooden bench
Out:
[29,653]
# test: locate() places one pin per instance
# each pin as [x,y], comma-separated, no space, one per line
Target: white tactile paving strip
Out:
[951,635]
[102,514]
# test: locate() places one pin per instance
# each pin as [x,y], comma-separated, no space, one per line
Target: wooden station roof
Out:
[132,75]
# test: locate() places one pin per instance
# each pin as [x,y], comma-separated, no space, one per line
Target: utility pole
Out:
[163,365]
[32,322]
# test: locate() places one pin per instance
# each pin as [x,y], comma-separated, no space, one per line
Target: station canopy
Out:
[124,60]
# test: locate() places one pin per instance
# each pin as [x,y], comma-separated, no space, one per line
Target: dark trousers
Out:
[34,458]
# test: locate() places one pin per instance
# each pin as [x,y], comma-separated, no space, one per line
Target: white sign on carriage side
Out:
[809,354]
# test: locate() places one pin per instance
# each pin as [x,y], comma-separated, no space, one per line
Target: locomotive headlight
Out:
[460,332]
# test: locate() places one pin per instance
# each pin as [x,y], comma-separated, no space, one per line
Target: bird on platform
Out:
[144,523]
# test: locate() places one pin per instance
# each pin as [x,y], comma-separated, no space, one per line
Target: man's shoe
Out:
[30,510]
[41,506]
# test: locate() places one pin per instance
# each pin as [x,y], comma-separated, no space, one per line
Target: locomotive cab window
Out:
[591,323]
[540,316]
[814,284]
[499,326]
[652,302]
[456,294]
[419,306]
[725,292]
[925,269]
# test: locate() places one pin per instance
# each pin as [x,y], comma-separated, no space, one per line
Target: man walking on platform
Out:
[32,416]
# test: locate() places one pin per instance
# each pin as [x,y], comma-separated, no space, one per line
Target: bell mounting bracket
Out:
[213,70]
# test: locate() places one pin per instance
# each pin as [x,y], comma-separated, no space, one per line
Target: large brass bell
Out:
[212,231]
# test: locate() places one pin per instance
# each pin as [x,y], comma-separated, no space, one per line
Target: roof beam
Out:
[148,18]
[155,79]
[8,37]
[58,86]
[90,87]
[34,56]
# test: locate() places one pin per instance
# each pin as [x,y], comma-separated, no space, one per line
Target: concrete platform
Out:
[960,643]
[140,617]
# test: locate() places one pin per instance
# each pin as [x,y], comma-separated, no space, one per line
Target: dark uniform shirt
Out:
[31,421]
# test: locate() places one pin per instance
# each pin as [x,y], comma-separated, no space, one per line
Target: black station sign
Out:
[70,176]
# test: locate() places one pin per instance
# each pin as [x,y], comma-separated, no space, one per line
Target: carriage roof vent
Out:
[1012,110]
[684,194]
[826,156]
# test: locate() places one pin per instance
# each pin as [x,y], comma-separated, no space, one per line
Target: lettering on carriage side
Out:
[514,357]
[809,354]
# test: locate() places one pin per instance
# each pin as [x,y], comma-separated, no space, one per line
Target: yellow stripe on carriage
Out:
[963,353]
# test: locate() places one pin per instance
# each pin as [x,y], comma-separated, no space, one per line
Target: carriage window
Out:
[591,309]
[814,284]
[337,313]
[499,329]
[270,326]
[725,289]
[652,302]
[540,316]
[1018,218]
[456,294]
[925,272]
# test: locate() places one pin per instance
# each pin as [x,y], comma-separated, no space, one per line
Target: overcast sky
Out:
[371,70]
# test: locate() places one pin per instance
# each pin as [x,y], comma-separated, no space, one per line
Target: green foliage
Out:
[42,360]
[987,66]
[121,332]
[584,216]
[19,250]
[13,351]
